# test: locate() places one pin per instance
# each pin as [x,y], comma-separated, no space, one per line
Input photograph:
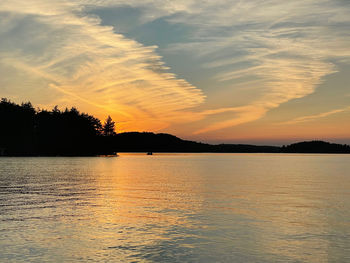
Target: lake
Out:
[176,208]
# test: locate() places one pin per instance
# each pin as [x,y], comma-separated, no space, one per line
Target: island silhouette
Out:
[26,131]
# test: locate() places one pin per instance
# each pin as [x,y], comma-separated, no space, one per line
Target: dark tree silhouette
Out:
[109,127]
[16,126]
[26,131]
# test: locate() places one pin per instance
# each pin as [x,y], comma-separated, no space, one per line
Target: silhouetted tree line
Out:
[26,131]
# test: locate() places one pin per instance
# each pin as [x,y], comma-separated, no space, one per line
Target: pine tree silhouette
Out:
[109,127]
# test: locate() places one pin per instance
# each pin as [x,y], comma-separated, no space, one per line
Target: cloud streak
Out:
[90,63]
[282,49]
[287,48]
[316,116]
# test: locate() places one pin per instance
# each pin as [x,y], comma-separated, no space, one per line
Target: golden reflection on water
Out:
[143,194]
[284,206]
[140,199]
[177,208]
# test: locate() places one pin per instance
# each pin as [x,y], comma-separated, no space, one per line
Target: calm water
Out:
[176,208]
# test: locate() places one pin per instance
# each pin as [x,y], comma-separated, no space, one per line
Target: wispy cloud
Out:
[286,47]
[281,49]
[316,116]
[85,61]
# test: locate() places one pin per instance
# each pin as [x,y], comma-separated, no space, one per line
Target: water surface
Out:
[176,208]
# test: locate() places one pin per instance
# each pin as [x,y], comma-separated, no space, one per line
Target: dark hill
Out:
[316,147]
[151,142]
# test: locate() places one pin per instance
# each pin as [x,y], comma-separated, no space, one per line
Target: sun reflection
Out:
[132,205]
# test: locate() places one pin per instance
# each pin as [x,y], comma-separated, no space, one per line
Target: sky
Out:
[254,71]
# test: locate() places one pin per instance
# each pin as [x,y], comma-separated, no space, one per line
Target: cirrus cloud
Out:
[58,42]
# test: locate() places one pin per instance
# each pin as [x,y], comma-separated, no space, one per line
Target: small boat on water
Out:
[149,153]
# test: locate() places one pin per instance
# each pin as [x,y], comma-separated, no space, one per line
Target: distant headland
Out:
[26,131]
